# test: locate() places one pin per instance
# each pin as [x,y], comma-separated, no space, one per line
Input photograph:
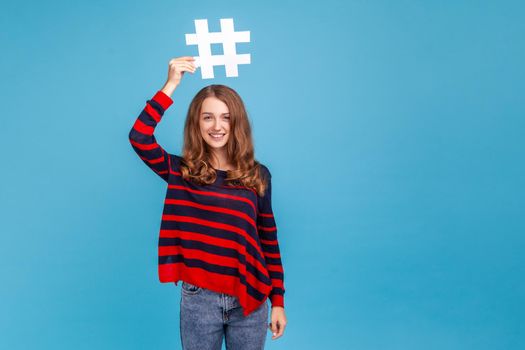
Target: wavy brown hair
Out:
[196,155]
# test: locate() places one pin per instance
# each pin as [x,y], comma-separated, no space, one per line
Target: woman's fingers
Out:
[277,328]
[185,59]
[273,329]
[189,58]
[281,329]
[188,68]
[187,65]
[179,65]
[191,65]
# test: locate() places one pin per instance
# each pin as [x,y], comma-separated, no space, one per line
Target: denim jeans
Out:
[206,317]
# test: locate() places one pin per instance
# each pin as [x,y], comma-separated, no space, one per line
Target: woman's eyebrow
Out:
[212,113]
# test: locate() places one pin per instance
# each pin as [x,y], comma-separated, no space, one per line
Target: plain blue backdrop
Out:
[393,131]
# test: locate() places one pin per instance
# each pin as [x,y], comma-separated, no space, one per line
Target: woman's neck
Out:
[219,160]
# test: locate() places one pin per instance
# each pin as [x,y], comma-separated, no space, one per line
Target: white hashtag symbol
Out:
[228,38]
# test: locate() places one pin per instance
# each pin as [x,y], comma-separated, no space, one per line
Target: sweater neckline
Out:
[221,172]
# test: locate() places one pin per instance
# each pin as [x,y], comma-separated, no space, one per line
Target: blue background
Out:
[393,130]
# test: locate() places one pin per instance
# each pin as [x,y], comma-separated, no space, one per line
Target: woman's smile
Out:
[217,137]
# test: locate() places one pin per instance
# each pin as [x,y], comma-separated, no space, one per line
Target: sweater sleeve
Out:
[142,139]
[267,229]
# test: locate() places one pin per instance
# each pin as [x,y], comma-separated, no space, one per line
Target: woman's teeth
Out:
[217,136]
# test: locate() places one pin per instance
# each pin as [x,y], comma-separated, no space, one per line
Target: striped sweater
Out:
[219,237]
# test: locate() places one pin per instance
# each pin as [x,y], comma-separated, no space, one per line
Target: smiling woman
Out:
[215,114]
[218,232]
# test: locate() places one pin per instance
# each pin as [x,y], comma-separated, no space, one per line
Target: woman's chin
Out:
[216,144]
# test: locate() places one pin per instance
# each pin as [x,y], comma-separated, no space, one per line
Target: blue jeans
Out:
[206,317]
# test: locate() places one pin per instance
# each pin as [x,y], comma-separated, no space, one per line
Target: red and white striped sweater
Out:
[219,237]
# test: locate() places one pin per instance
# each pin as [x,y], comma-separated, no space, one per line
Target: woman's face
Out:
[214,120]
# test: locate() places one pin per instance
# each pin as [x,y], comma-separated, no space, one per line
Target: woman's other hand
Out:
[278,323]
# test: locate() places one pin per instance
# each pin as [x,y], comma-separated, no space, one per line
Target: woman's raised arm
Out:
[141,134]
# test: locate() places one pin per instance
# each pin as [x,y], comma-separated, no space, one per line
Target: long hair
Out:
[196,154]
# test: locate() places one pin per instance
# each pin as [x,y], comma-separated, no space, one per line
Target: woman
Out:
[218,234]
